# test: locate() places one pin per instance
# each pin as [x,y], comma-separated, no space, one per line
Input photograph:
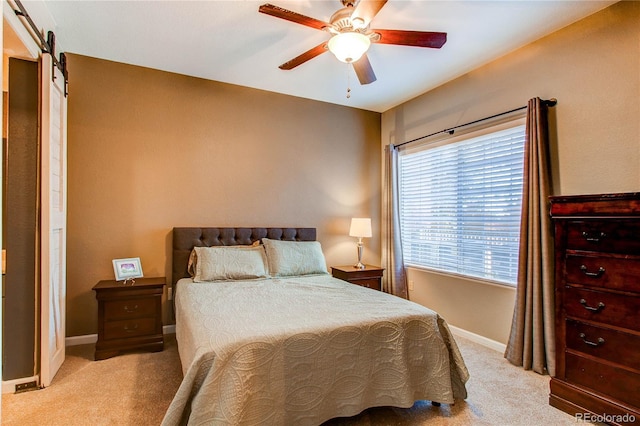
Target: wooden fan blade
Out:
[367,10]
[301,59]
[412,38]
[364,70]
[288,15]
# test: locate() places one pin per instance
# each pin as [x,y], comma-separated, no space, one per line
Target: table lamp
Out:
[361,228]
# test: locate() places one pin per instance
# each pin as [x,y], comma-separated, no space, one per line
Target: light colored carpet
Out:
[131,389]
[136,389]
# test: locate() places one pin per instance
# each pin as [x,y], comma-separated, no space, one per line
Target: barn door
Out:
[53,192]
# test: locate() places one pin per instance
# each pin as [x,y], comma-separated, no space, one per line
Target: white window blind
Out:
[460,205]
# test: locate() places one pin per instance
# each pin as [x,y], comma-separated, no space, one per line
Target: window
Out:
[460,204]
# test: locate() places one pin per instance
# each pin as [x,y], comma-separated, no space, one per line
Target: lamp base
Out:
[359,265]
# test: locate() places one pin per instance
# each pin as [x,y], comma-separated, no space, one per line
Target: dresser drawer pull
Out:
[595,237]
[132,329]
[595,344]
[598,274]
[591,308]
[130,310]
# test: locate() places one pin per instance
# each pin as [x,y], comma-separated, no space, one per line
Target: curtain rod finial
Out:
[551,102]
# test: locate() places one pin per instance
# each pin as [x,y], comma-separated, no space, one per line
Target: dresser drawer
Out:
[620,236]
[604,343]
[131,308]
[129,328]
[608,308]
[616,382]
[613,272]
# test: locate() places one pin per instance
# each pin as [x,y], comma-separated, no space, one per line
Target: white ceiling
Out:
[231,42]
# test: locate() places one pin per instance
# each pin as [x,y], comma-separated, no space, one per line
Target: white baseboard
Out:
[80,340]
[171,329]
[92,338]
[484,341]
[9,386]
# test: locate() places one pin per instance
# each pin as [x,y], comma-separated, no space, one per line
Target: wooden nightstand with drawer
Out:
[129,316]
[370,276]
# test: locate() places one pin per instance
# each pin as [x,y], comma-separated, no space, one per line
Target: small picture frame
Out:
[127,269]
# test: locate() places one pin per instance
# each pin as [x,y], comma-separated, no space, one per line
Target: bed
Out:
[267,336]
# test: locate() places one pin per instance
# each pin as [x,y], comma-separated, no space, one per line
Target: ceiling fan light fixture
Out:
[349,46]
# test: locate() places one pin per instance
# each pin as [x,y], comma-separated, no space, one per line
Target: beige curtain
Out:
[395,280]
[532,339]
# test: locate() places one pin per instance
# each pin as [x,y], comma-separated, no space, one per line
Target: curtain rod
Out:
[551,102]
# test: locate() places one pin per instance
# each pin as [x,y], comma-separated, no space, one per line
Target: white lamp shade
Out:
[349,46]
[360,227]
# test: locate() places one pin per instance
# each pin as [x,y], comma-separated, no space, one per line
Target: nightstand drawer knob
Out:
[132,329]
[130,310]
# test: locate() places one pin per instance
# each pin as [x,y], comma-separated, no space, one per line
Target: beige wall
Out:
[593,68]
[150,150]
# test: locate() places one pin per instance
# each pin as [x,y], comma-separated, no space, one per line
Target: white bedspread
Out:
[300,351]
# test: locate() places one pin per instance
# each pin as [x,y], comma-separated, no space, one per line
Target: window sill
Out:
[463,277]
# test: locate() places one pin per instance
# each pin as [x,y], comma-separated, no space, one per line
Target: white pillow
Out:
[230,263]
[287,258]
[193,258]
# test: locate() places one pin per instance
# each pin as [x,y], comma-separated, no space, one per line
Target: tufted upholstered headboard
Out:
[185,239]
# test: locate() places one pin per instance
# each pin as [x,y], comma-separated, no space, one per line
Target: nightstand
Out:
[370,276]
[129,316]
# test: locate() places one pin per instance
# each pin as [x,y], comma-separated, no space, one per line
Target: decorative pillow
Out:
[193,258]
[287,258]
[229,263]
[191,266]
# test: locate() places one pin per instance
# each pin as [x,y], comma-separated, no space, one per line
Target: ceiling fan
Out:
[352,36]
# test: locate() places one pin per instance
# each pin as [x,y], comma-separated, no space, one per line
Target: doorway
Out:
[21,160]
[20,164]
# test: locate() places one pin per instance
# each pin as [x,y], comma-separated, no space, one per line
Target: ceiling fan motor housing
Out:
[341,21]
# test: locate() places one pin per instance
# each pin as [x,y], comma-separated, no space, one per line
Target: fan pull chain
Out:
[348,81]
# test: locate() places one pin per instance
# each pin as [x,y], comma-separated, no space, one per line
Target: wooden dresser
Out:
[597,262]
[129,316]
